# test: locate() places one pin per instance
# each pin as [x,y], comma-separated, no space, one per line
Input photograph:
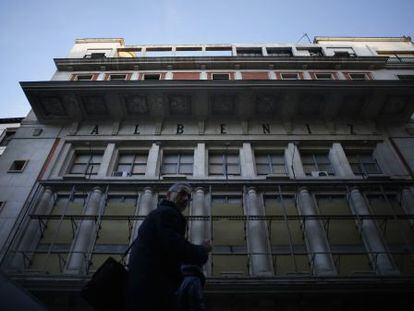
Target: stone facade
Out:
[301,158]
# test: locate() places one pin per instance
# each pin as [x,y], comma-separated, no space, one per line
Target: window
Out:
[406,77]
[249,52]
[84,77]
[18,166]
[224,163]
[131,164]
[177,163]
[147,76]
[316,164]
[117,77]
[341,51]
[220,76]
[359,76]
[86,163]
[95,55]
[7,137]
[309,51]
[270,163]
[281,52]
[290,76]
[323,75]
[363,163]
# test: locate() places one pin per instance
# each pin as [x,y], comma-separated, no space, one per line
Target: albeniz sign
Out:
[222,128]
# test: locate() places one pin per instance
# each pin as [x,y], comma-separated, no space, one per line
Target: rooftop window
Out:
[249,51]
[220,76]
[281,52]
[152,76]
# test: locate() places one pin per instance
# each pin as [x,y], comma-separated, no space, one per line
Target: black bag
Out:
[108,286]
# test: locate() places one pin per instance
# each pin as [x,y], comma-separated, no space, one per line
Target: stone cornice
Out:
[220,62]
[374,100]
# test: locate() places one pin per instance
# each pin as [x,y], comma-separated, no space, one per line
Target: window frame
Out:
[367,75]
[75,76]
[12,168]
[280,75]
[361,165]
[224,163]
[314,153]
[179,153]
[108,76]
[314,75]
[144,74]
[135,153]
[268,154]
[90,153]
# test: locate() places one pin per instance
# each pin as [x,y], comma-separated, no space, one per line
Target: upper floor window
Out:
[360,76]
[290,75]
[340,51]
[249,51]
[308,51]
[281,52]
[117,76]
[220,76]
[223,163]
[18,166]
[95,55]
[316,164]
[363,163]
[270,163]
[406,77]
[177,163]
[85,163]
[131,164]
[84,77]
[323,75]
[151,76]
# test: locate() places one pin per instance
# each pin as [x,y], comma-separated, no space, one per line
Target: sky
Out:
[33,32]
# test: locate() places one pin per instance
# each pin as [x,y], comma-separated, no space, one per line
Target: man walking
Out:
[159,252]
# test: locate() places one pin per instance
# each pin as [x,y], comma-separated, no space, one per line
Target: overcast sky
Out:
[33,32]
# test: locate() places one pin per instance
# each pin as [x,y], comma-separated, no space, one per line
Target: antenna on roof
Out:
[305,35]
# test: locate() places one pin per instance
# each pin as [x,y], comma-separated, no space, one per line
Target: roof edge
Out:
[317,39]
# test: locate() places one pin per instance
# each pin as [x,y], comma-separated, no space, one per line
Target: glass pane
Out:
[278,169]
[356,169]
[126,158]
[78,169]
[285,264]
[308,169]
[228,232]
[307,159]
[97,158]
[169,169]
[234,159]
[230,265]
[120,206]
[332,205]
[93,169]
[372,168]
[278,159]
[262,159]
[141,158]
[123,168]
[186,169]
[187,158]
[113,232]
[139,170]
[215,158]
[82,158]
[233,169]
[353,264]
[170,158]
[216,169]
[263,169]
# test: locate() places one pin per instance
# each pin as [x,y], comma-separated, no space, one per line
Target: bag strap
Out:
[127,250]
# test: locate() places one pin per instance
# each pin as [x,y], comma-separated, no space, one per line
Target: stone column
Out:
[85,235]
[32,234]
[152,163]
[106,160]
[247,161]
[198,228]
[293,161]
[315,236]
[381,261]
[407,203]
[200,160]
[257,238]
[339,161]
[145,207]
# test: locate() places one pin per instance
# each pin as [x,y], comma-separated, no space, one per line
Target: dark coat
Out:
[190,294]
[156,257]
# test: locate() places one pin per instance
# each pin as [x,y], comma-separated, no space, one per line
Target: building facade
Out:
[301,158]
